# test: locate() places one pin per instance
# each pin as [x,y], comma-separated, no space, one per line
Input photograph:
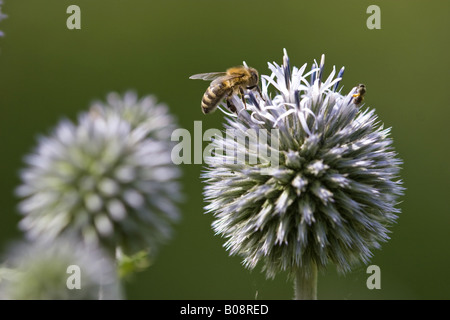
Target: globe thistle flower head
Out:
[331,196]
[43,270]
[103,181]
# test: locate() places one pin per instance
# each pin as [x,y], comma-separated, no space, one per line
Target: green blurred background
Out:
[48,72]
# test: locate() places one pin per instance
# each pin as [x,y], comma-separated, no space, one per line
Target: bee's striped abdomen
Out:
[213,95]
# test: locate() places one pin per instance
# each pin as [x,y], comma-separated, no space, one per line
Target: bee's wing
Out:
[208,76]
[226,78]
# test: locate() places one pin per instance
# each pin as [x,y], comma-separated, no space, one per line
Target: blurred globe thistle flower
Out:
[43,271]
[332,196]
[103,179]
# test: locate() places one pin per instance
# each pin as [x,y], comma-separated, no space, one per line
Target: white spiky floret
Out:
[144,112]
[334,192]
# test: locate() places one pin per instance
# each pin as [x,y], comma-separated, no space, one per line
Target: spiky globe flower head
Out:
[60,270]
[103,180]
[331,195]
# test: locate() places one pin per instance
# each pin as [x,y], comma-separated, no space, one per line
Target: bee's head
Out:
[254,77]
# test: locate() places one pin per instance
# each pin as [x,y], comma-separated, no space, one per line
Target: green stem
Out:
[305,284]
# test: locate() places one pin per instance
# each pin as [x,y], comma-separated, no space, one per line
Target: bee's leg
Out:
[230,105]
[257,89]
[260,93]
[243,97]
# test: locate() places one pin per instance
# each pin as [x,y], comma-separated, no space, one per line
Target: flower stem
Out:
[305,284]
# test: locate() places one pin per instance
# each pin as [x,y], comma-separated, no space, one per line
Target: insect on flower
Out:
[224,84]
[358,97]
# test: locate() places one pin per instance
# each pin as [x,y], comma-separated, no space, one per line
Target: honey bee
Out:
[358,97]
[224,84]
